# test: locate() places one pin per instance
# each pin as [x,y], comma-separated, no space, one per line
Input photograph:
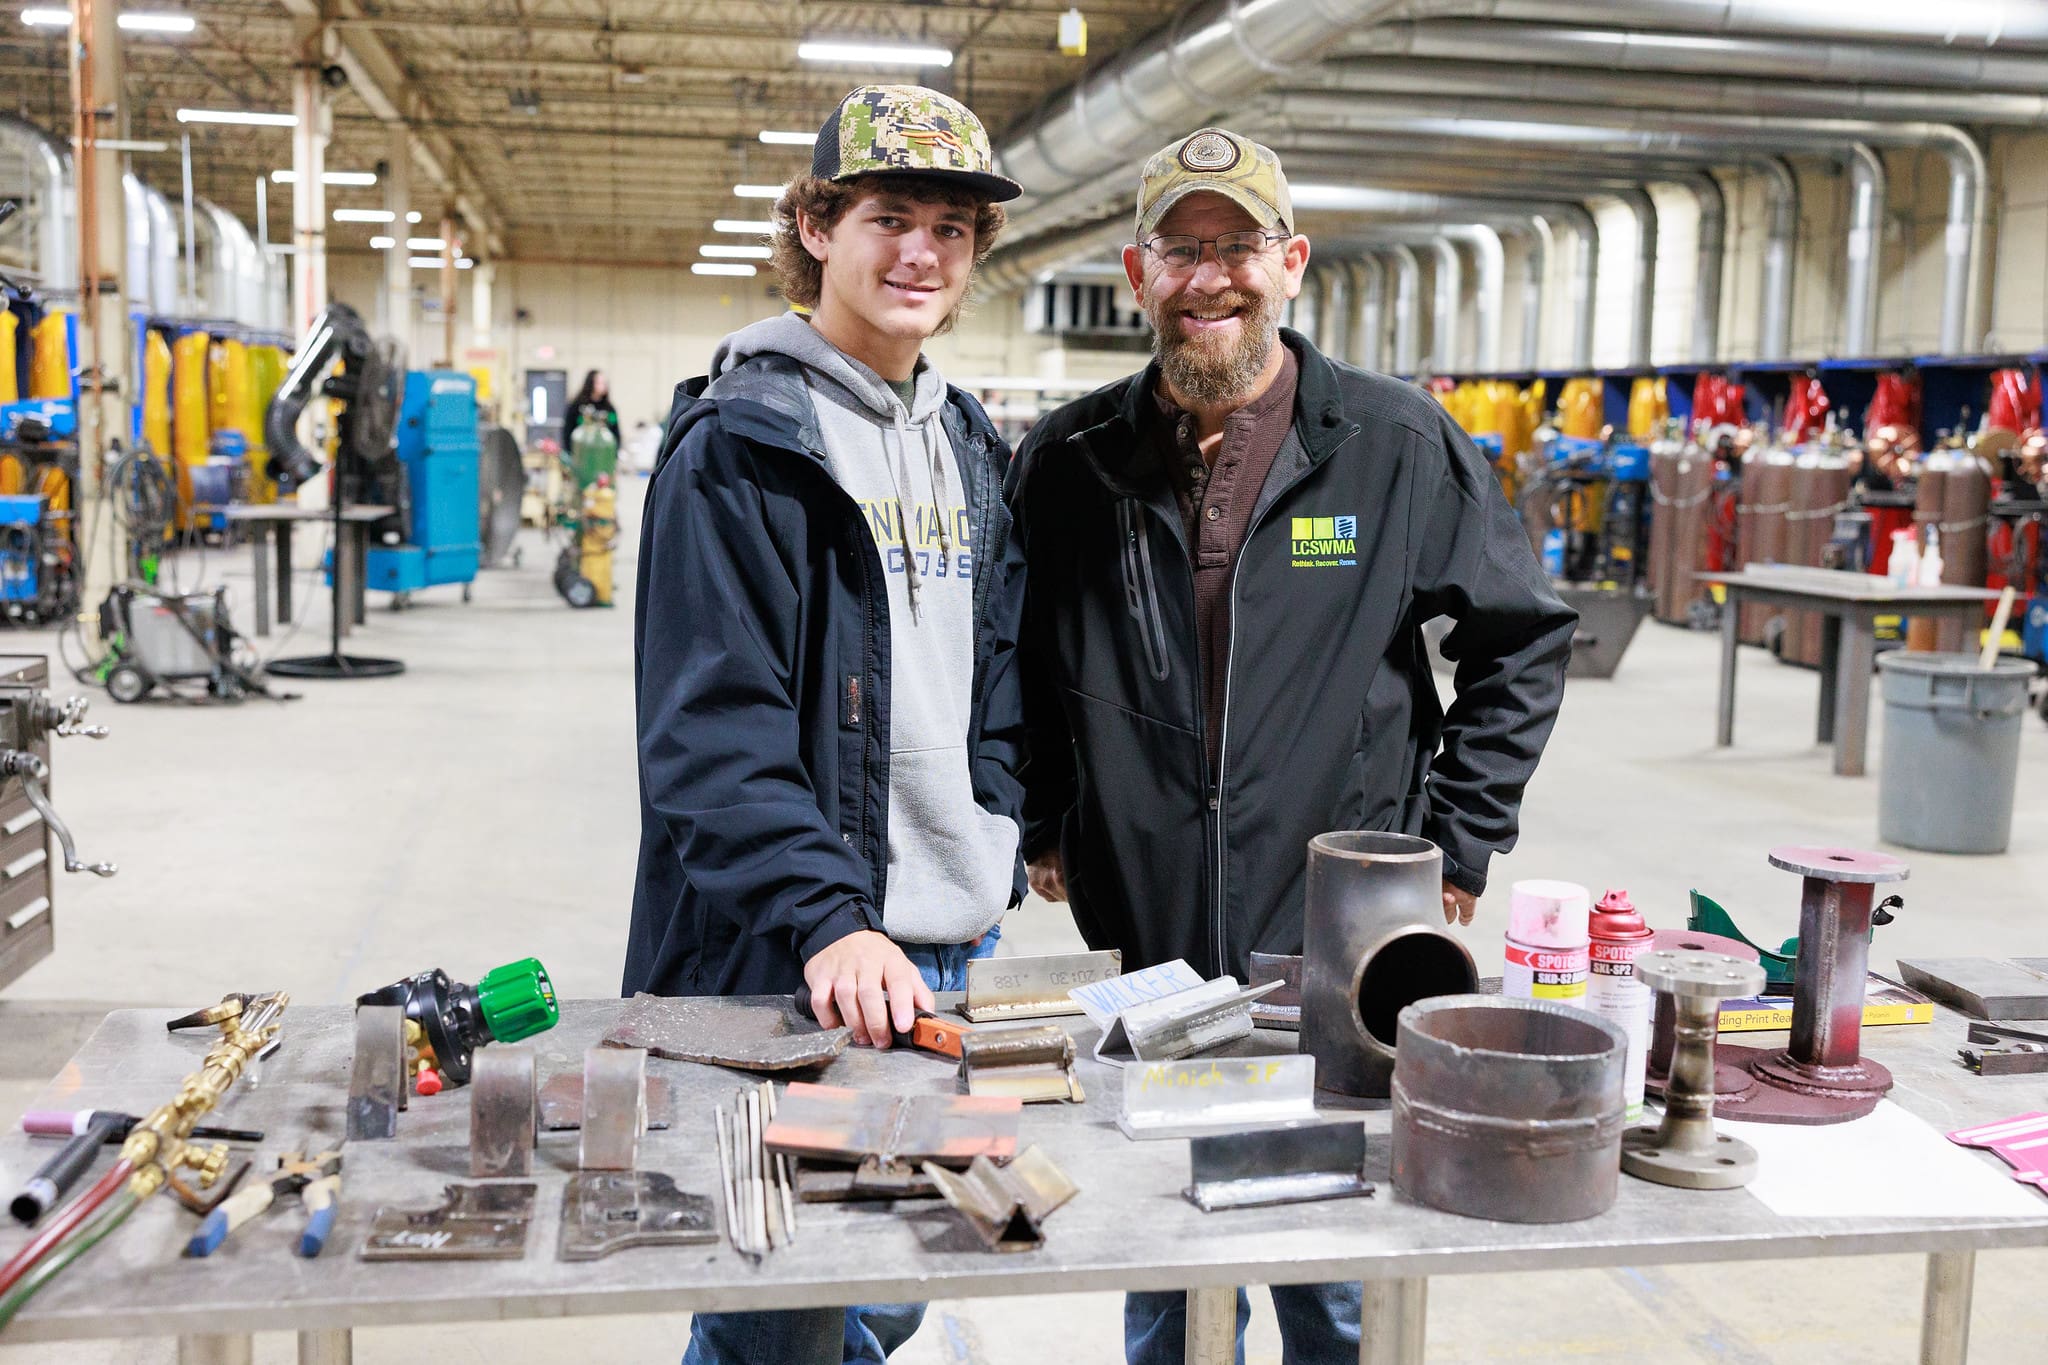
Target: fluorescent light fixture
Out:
[424,262]
[412,216]
[720,268]
[156,23]
[383,243]
[758,191]
[873,54]
[753,227]
[775,138]
[463,262]
[116,144]
[363,215]
[238,116]
[737,253]
[46,18]
[327,177]
[424,244]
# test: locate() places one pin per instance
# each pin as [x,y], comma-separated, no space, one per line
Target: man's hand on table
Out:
[865,982]
[1458,905]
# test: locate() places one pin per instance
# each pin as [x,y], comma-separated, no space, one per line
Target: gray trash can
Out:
[1951,751]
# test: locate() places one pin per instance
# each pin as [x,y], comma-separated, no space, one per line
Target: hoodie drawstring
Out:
[907,501]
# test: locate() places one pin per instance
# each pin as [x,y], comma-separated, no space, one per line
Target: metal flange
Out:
[1684,1150]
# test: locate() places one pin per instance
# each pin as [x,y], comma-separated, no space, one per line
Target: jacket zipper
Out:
[1217,808]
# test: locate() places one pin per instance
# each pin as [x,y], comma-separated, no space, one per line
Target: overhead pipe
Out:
[1489,292]
[52,212]
[135,212]
[1013,269]
[1448,284]
[1654,130]
[1338,311]
[1781,240]
[1369,291]
[1536,269]
[1867,192]
[1711,248]
[163,252]
[1307,316]
[1407,302]
[1964,25]
[1643,280]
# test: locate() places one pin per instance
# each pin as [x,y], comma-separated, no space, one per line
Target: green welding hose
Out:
[83,1240]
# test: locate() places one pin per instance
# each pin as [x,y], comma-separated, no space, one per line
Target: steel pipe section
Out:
[1369,293]
[49,202]
[1867,186]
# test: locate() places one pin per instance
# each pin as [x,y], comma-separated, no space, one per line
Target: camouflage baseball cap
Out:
[908,130]
[1220,162]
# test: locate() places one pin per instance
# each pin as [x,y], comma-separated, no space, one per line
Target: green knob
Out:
[518,1000]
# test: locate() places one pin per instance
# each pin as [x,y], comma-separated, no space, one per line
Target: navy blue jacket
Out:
[761,672]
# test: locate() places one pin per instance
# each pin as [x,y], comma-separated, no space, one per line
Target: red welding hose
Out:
[79,1210]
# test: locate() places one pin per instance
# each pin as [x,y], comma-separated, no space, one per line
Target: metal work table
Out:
[1128,1228]
[349,558]
[1850,604]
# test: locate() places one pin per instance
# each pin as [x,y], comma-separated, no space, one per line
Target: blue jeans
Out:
[1318,1324]
[837,1336]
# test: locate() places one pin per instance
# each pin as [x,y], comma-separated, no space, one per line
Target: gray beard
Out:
[1210,372]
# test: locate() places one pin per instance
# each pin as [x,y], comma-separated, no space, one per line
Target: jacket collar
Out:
[766,400]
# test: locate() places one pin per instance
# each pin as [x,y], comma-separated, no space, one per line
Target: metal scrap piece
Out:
[869,1180]
[614,1108]
[1281,1009]
[603,1211]
[473,1223]
[376,1083]
[1288,1166]
[1182,1024]
[1006,1205]
[561,1103]
[751,1037]
[1223,1095]
[1034,1064]
[2002,1050]
[1033,987]
[834,1123]
[504,1113]
[1982,987]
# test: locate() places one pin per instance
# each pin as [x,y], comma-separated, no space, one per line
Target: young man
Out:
[828,601]
[1231,557]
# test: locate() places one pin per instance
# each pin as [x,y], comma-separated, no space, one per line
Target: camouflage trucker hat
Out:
[1220,162]
[908,130]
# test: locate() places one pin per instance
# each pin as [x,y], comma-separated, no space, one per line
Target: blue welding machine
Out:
[437,446]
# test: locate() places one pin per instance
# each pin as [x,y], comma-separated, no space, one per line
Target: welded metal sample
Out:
[604,1211]
[473,1223]
[1006,1205]
[1033,1063]
[1375,942]
[1219,1095]
[1281,1009]
[1508,1109]
[376,1082]
[751,1037]
[561,1103]
[2006,1050]
[1822,1077]
[614,1108]
[504,1112]
[833,1123]
[1684,1150]
[1288,1166]
[1982,987]
[1000,988]
[1180,1025]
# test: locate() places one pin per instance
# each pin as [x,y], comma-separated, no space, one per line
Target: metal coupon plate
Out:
[1033,1062]
[1006,1205]
[1287,1166]
[1216,1095]
[561,1103]
[1281,1009]
[1182,1024]
[504,1113]
[376,1083]
[614,1108]
[1033,987]
[833,1123]
[474,1223]
[604,1211]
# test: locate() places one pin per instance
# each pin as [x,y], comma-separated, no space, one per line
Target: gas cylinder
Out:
[1965,549]
[1930,495]
[600,534]
[1760,524]
[1820,488]
[1617,934]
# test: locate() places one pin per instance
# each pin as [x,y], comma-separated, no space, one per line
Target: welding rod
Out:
[785,1177]
[57,1175]
[732,1220]
[757,1194]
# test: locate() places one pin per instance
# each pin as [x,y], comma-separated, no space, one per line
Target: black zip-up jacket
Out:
[1378,515]
[761,669]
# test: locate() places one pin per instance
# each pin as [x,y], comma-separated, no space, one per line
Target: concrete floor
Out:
[482,807]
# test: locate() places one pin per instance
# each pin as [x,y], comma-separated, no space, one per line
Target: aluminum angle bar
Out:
[504,1113]
[1182,1024]
[1001,988]
[1290,1166]
[1006,1205]
[1219,1095]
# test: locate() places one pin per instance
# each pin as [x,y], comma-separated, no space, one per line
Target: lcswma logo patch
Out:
[1324,542]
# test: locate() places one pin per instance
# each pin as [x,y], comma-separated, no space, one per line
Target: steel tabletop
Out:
[1849,604]
[1129,1228]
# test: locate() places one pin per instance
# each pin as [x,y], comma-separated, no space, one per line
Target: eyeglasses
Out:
[1233,249]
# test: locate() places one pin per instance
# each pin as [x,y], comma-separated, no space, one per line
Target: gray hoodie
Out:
[950,861]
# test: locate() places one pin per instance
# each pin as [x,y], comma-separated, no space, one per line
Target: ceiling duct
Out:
[37,168]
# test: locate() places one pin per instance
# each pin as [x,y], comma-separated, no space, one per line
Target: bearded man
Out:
[1230,557]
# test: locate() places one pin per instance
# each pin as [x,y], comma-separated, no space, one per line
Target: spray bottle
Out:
[1548,949]
[1903,568]
[1612,990]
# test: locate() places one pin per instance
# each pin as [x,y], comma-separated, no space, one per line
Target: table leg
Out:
[1945,1314]
[1730,641]
[1830,662]
[284,573]
[327,1348]
[1852,693]
[1394,1317]
[1212,1326]
[259,549]
[229,1349]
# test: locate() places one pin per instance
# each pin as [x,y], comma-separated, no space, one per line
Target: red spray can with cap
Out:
[1618,933]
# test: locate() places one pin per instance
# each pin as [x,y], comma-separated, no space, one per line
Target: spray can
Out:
[1612,990]
[1548,950]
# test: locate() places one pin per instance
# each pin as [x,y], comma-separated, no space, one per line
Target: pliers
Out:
[315,1179]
